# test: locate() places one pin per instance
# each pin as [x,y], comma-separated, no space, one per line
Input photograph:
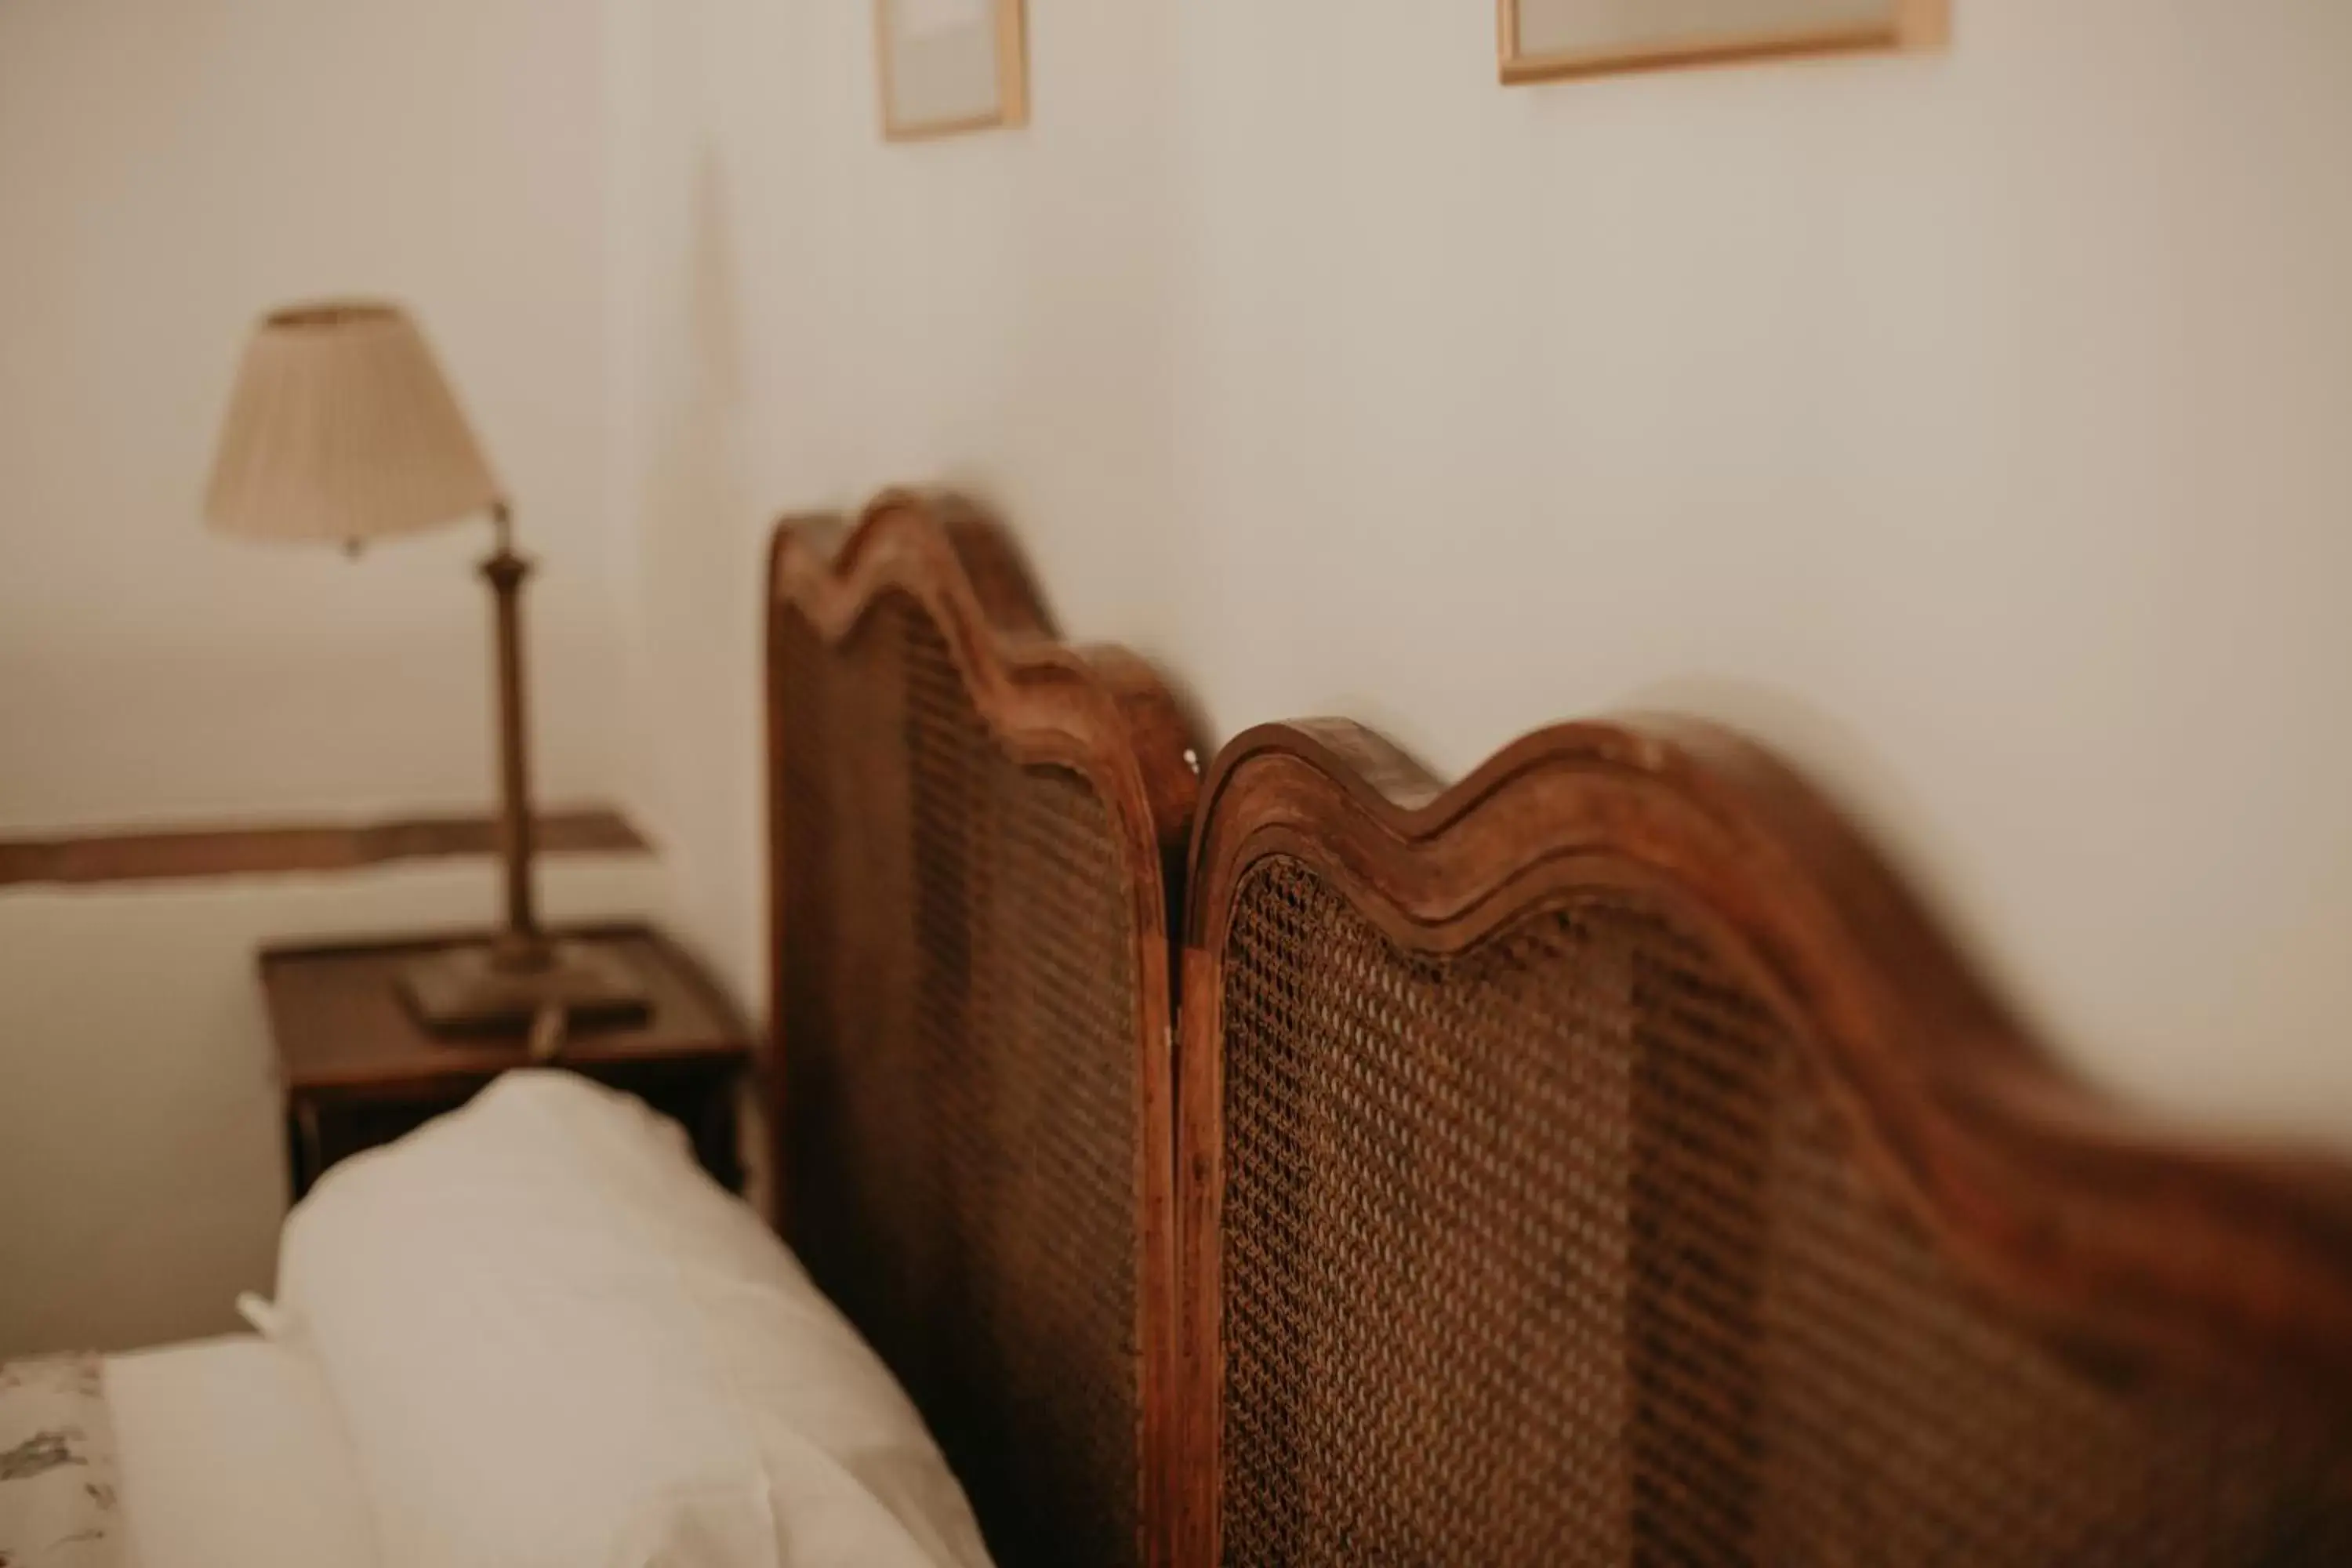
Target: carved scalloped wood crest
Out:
[2112,1235]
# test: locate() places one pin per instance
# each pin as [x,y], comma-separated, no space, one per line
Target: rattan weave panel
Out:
[960,1048]
[1557,1253]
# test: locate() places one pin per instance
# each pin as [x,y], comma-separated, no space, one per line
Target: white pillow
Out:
[555,1342]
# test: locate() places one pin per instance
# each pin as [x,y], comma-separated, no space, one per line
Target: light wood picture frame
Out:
[950,66]
[1543,40]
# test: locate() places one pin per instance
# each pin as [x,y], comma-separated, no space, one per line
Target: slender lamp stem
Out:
[521,945]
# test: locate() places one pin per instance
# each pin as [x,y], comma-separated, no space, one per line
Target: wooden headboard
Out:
[1606,1161]
[974,833]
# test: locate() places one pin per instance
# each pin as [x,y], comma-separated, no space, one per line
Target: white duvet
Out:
[232,1456]
[534,1334]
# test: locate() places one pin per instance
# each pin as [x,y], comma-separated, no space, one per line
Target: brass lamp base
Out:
[481,989]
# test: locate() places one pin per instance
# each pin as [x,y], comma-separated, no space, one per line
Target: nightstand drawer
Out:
[323,1130]
[359,1071]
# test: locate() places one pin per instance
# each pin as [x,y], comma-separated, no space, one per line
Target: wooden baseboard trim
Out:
[156,854]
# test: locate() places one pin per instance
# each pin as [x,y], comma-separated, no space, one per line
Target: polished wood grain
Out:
[2135,1246]
[173,853]
[341,1024]
[357,1068]
[1098,711]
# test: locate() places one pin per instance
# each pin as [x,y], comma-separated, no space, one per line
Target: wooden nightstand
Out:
[358,1070]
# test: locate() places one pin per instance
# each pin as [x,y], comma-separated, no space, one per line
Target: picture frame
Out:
[946,66]
[1546,41]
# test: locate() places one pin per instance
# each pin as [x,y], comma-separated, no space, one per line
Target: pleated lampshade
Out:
[342,428]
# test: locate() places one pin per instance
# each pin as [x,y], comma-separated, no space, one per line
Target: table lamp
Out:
[342,429]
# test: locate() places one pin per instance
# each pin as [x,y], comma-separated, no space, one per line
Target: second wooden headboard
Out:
[1599,1160]
[974,828]
[1603,1160]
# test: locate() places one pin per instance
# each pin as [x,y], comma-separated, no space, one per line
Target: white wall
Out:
[1970,427]
[142,1150]
[169,170]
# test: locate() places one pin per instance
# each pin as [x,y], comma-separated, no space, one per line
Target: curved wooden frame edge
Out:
[2127,1243]
[1101,711]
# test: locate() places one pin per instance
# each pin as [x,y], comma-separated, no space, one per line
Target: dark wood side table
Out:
[358,1069]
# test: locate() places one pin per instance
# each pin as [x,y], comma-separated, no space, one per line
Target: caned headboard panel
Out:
[1604,1161]
[974,831]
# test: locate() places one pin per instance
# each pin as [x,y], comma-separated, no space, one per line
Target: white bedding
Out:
[531,1335]
[555,1343]
[233,1456]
